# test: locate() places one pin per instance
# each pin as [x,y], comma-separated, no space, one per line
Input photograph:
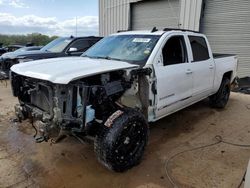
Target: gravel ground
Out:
[23,163]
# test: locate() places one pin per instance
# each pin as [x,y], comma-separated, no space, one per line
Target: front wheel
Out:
[121,142]
[220,99]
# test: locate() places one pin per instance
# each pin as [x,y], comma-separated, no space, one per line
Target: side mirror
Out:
[72,50]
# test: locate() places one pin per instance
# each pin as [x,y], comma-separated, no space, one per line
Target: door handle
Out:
[211,67]
[189,71]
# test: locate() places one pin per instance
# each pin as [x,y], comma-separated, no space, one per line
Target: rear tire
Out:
[120,146]
[220,99]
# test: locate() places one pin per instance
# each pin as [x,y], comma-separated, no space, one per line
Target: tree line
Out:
[35,38]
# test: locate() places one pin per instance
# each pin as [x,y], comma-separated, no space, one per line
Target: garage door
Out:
[227,26]
[158,13]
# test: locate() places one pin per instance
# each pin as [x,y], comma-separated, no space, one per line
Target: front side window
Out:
[57,45]
[199,48]
[174,51]
[134,49]
[80,45]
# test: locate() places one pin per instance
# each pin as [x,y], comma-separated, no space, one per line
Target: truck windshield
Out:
[134,49]
[57,45]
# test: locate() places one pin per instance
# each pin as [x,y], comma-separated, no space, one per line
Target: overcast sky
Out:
[51,17]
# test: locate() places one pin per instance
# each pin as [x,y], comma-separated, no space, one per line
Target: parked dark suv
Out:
[60,47]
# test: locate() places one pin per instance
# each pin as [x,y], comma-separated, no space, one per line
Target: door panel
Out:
[203,66]
[174,84]
[173,75]
[203,74]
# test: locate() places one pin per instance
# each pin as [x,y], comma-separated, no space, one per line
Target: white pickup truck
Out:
[119,85]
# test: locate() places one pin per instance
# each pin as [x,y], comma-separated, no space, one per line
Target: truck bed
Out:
[217,55]
[224,63]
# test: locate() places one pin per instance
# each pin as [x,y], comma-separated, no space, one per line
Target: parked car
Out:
[10,48]
[119,85]
[15,47]
[12,55]
[2,50]
[28,48]
[60,47]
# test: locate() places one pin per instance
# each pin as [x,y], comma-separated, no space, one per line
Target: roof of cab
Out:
[143,32]
[150,32]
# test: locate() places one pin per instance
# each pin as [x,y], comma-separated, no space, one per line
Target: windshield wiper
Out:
[107,57]
[103,57]
[110,58]
[92,57]
[116,59]
[99,57]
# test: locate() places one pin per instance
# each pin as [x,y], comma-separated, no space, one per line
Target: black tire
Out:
[121,146]
[220,99]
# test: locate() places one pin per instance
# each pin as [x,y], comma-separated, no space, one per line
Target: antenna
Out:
[76,26]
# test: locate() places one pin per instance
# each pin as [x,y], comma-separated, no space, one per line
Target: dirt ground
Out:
[23,163]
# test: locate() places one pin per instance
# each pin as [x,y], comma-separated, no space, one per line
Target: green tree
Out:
[35,38]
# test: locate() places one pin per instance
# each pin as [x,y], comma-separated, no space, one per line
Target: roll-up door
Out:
[227,26]
[155,13]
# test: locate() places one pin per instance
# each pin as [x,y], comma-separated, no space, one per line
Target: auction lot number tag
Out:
[143,40]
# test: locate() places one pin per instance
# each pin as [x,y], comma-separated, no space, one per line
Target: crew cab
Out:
[60,47]
[118,86]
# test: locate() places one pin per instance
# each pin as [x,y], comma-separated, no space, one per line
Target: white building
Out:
[225,22]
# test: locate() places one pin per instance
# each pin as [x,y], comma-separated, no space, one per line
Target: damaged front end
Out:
[78,107]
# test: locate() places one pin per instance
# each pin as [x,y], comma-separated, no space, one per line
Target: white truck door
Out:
[173,75]
[202,66]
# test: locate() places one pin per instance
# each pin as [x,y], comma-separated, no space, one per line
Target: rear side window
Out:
[199,48]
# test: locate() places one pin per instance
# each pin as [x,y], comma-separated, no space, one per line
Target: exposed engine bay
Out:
[80,106]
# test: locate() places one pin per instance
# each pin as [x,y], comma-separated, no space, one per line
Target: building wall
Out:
[115,15]
[190,14]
